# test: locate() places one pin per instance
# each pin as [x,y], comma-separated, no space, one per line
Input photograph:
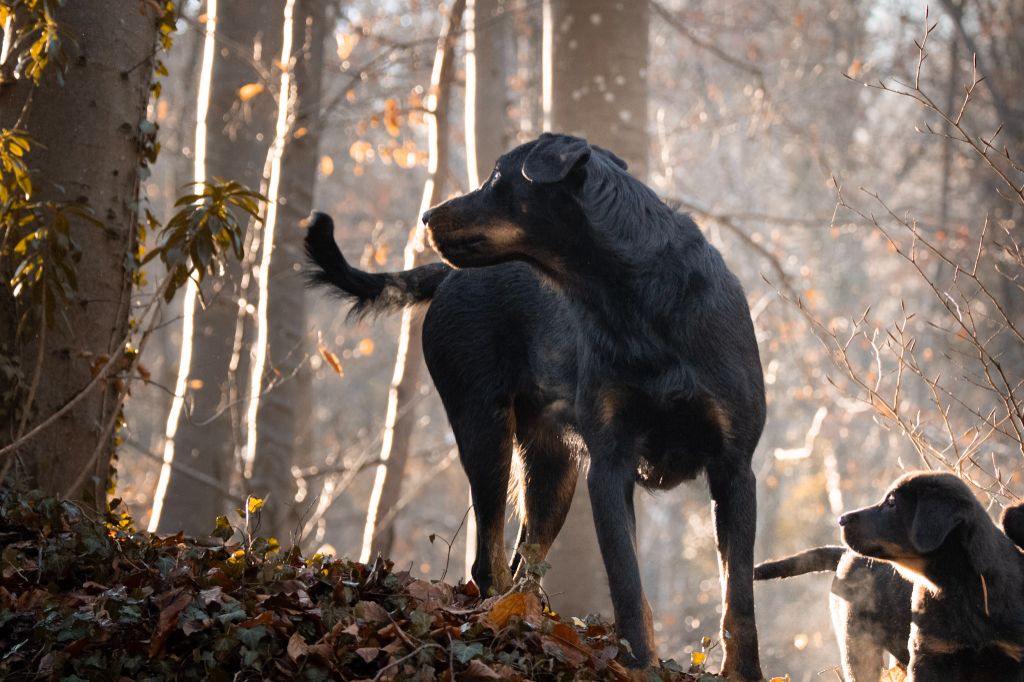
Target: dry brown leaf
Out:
[249,90]
[167,622]
[297,646]
[331,359]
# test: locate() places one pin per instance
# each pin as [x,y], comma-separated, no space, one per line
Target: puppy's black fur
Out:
[586,317]
[968,597]
[869,601]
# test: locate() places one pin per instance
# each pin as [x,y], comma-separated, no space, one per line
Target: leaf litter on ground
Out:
[96,599]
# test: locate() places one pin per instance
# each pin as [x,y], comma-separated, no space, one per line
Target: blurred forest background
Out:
[856,161]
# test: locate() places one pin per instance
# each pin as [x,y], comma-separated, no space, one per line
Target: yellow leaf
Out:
[254,504]
[391,119]
[698,658]
[249,90]
[326,166]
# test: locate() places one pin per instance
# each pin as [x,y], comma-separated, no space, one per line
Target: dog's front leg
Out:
[734,499]
[611,481]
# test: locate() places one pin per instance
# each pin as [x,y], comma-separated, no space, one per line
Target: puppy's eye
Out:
[890,501]
[495,177]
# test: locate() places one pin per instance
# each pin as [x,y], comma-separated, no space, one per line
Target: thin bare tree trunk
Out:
[378,534]
[241,128]
[283,423]
[595,55]
[91,158]
[488,67]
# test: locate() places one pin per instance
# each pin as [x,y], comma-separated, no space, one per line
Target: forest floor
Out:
[94,598]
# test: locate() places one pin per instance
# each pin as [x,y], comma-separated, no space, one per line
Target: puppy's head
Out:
[916,518]
[526,210]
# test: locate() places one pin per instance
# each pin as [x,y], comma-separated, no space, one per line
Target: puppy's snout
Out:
[844,519]
[426,216]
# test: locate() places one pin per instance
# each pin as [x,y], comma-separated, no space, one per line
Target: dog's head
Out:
[916,518]
[528,209]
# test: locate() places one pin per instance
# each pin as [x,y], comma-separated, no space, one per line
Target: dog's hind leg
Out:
[549,481]
[611,481]
[484,437]
[734,504]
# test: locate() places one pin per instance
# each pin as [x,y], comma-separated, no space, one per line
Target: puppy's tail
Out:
[809,561]
[370,293]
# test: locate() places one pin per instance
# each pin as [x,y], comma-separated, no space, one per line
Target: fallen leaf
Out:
[167,621]
[297,646]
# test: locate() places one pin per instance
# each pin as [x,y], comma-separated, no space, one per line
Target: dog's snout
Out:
[426,216]
[844,519]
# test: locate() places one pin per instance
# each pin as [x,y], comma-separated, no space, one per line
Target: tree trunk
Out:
[241,128]
[90,157]
[488,67]
[595,85]
[378,533]
[284,418]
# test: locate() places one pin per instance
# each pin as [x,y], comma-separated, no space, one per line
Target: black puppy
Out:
[967,620]
[590,319]
[869,602]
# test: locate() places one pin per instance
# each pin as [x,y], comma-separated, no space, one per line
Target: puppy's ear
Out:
[554,157]
[1012,522]
[934,519]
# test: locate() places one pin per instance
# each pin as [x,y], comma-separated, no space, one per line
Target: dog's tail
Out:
[809,561]
[370,293]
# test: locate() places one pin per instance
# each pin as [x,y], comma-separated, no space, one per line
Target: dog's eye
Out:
[890,501]
[495,177]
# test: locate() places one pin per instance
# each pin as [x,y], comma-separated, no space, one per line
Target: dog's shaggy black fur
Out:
[869,602]
[968,598]
[586,317]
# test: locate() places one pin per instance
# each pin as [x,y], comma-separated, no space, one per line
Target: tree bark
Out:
[488,68]
[378,533]
[91,157]
[284,417]
[248,40]
[595,87]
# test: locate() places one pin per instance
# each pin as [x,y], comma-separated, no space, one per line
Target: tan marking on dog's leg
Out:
[719,415]
[1011,649]
[610,403]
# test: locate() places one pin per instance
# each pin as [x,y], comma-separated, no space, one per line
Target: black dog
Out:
[968,598]
[591,319]
[869,601]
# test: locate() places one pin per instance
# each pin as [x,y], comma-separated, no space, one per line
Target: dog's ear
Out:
[554,157]
[612,157]
[934,519]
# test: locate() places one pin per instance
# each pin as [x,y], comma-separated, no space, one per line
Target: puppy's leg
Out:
[860,652]
[611,482]
[549,481]
[484,438]
[734,507]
